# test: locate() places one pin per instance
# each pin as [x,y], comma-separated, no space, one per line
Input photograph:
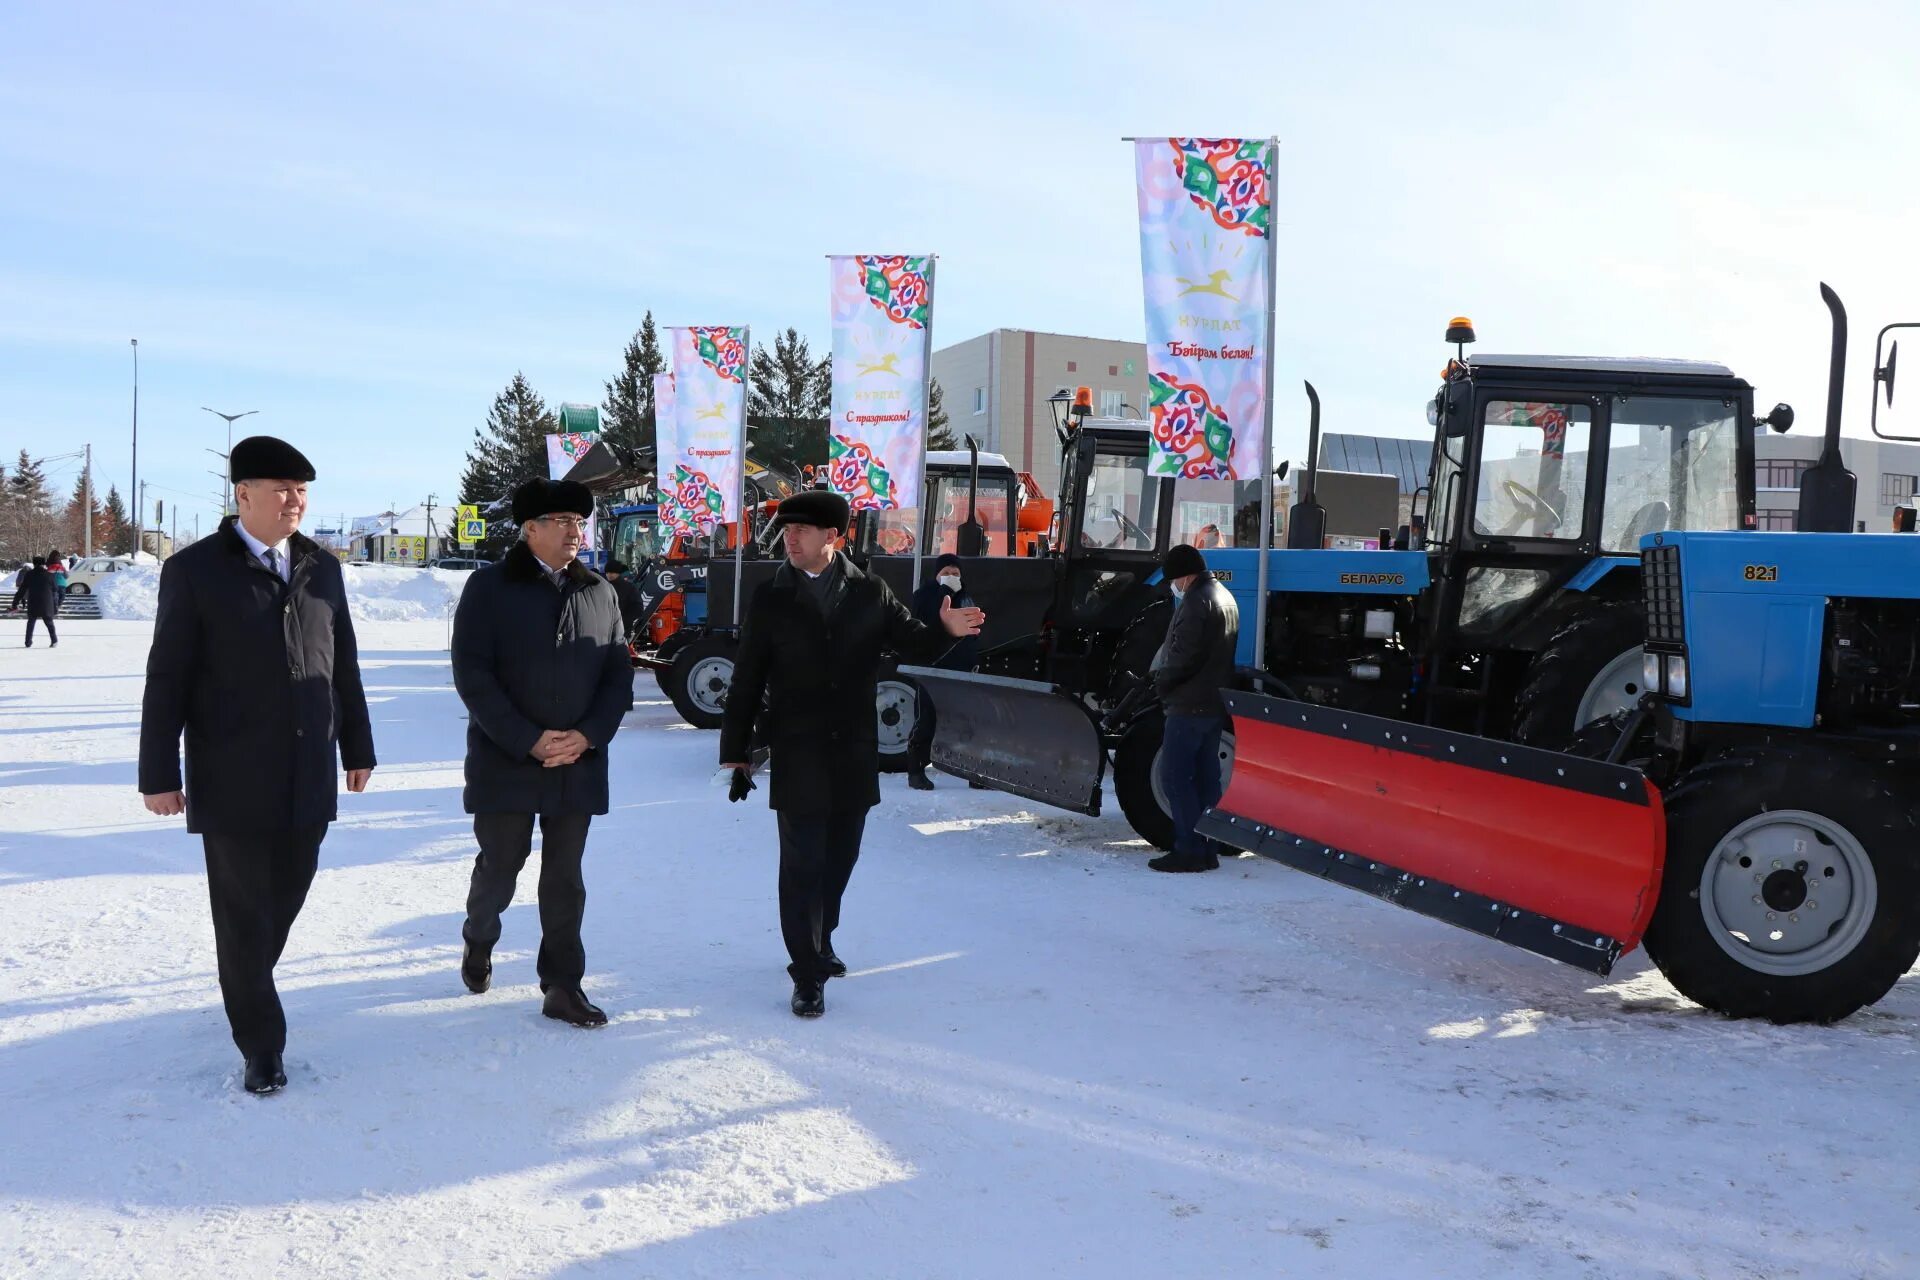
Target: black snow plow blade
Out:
[1023,737]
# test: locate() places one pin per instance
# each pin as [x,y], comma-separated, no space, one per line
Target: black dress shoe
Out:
[265,1074]
[569,1004]
[809,1000]
[1185,862]
[476,967]
[836,967]
[918,780]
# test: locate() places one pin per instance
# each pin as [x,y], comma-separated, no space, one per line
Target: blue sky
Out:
[361,219]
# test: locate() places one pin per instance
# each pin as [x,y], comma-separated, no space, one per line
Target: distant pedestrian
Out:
[41,593]
[58,568]
[1194,664]
[540,661]
[627,593]
[255,660]
[810,651]
[946,590]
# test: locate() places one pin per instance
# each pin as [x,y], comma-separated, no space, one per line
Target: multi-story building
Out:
[995,388]
[1888,475]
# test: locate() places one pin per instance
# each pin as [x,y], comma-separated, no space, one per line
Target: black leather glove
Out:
[742,784]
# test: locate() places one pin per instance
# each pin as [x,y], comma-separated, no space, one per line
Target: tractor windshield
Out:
[1123,504]
[636,539]
[1671,464]
[1533,470]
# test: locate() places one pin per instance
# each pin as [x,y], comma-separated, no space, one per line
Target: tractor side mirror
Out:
[1280,472]
[1780,419]
[1886,362]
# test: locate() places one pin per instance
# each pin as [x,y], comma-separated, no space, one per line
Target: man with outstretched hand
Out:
[254,659]
[540,659]
[810,650]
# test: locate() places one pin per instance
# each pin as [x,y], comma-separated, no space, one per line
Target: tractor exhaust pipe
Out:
[1827,490]
[1307,522]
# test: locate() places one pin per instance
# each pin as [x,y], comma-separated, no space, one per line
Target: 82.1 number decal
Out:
[1762,573]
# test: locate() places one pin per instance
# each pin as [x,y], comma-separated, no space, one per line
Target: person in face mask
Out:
[1194,664]
[946,585]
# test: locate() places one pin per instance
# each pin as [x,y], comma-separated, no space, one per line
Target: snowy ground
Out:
[1048,1061]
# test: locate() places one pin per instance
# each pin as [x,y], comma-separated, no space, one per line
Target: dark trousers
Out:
[42,617]
[506,841]
[1190,775]
[920,745]
[257,884]
[817,853]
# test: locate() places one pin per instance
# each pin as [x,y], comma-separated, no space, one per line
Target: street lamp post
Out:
[134,493]
[231,419]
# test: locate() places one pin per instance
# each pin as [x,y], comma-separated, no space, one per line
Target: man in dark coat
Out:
[41,593]
[626,592]
[1194,664]
[811,650]
[943,591]
[540,659]
[254,659]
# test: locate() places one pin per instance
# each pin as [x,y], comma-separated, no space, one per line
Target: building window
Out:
[1780,473]
[1894,489]
[1113,371]
[1073,366]
[1777,521]
[979,399]
[1110,403]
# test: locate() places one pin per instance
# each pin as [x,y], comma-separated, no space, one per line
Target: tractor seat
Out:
[1652,518]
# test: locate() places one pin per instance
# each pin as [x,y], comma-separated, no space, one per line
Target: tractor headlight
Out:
[1677,675]
[1650,672]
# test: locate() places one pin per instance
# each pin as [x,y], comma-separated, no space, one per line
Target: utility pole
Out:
[139,520]
[86,505]
[135,492]
[428,553]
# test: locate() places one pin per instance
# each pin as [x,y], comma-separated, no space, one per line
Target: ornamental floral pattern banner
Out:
[1206,236]
[679,506]
[877,437]
[707,396]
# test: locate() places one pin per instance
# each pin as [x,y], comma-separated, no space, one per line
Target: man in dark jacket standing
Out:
[811,650]
[540,659]
[254,659]
[626,593]
[1194,664]
[41,592]
[945,590]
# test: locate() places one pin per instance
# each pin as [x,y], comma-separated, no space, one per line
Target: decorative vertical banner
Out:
[710,423]
[676,518]
[877,438]
[568,446]
[1206,223]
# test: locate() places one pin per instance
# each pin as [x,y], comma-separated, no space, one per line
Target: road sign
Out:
[474,530]
[465,513]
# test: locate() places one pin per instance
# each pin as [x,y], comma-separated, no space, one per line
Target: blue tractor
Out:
[1754,817]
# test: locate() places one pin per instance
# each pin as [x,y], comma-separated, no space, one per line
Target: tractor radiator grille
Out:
[1660,582]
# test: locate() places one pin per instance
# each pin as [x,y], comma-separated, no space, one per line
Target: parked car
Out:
[456,562]
[82,574]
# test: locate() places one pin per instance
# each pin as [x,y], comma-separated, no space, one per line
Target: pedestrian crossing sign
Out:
[473,530]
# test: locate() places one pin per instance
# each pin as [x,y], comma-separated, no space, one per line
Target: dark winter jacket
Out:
[1195,661]
[818,677]
[529,657]
[40,592]
[263,676]
[628,595]
[926,607]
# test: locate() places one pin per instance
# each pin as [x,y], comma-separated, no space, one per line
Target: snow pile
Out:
[375,592]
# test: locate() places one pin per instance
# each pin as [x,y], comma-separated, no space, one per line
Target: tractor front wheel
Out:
[702,675]
[1136,778]
[1792,885]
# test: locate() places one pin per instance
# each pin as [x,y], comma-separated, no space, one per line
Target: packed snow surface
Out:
[1048,1060]
[375,593]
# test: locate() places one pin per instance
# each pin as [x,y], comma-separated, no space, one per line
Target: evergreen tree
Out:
[939,427]
[74,520]
[788,399]
[626,417]
[509,450]
[119,538]
[32,524]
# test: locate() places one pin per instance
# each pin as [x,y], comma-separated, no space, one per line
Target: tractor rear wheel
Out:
[702,674]
[1136,779]
[1589,670]
[1792,885]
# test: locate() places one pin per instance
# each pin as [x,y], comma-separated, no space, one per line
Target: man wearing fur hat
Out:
[810,650]
[540,659]
[254,659]
[1194,664]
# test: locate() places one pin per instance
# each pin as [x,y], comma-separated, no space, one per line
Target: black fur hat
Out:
[538,498]
[1181,561]
[266,458]
[821,508]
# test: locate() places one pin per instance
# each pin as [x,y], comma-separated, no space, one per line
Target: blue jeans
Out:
[1190,775]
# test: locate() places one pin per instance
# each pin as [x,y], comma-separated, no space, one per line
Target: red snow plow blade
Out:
[1556,854]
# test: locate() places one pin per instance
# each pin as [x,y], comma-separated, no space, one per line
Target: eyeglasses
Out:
[571,523]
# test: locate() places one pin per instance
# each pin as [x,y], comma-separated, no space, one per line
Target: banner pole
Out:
[740,447]
[1266,431]
[926,424]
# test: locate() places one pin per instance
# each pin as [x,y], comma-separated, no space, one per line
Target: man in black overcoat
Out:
[41,594]
[254,660]
[540,659]
[811,650]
